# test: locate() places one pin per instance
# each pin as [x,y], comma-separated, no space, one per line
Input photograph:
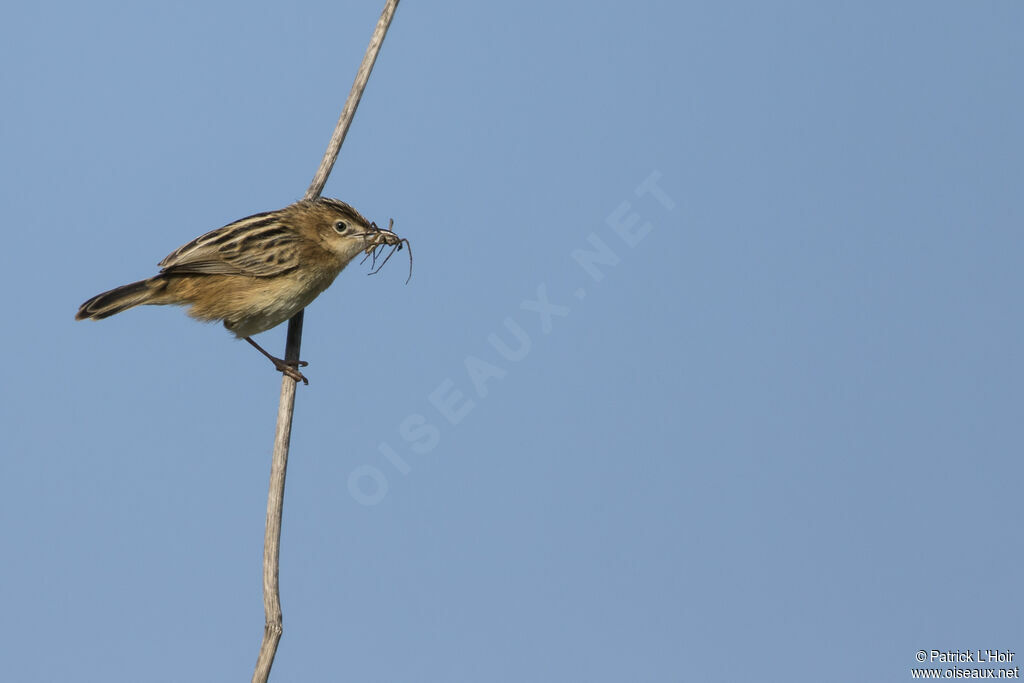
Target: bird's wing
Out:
[259,246]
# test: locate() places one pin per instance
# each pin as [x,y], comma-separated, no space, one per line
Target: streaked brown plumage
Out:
[257,272]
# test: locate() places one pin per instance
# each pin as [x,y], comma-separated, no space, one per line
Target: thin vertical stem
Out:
[286,407]
[354,95]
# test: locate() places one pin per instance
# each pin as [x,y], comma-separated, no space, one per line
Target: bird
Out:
[257,272]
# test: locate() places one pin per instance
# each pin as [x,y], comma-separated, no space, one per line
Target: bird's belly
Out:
[263,303]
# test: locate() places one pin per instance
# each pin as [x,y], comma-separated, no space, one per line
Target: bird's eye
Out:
[340,227]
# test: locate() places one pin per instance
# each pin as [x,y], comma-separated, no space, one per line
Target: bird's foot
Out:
[291,368]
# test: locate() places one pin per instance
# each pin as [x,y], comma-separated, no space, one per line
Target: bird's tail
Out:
[122,298]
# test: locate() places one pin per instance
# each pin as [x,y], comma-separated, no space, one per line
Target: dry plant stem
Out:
[279,465]
[354,95]
[275,503]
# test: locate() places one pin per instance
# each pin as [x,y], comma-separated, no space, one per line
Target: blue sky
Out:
[773,434]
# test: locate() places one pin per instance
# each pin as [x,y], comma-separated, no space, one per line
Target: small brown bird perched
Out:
[257,272]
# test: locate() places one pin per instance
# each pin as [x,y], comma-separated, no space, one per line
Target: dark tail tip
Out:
[116,300]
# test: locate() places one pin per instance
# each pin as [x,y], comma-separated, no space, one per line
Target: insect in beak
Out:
[380,239]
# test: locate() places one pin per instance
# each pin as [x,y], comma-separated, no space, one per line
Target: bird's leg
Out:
[290,368]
